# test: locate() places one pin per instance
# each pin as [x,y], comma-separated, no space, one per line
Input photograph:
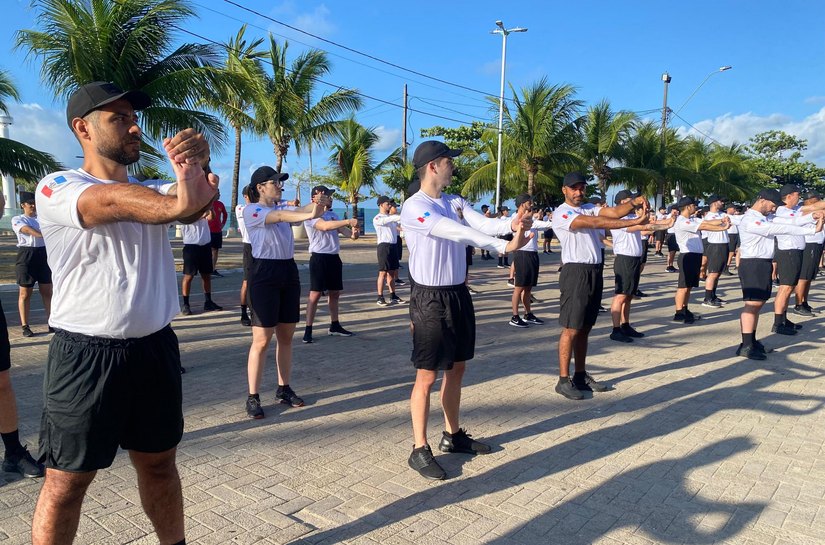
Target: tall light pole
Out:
[504,33]
[660,197]
[720,69]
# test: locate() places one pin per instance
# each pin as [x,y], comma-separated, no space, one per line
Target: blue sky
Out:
[613,50]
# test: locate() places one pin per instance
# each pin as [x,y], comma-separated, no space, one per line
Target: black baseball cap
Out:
[503,208]
[685,201]
[813,195]
[382,199]
[432,150]
[26,197]
[322,189]
[771,195]
[622,195]
[94,95]
[485,207]
[265,173]
[523,198]
[574,178]
[714,198]
[787,189]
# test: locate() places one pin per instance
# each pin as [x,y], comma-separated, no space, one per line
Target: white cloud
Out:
[388,139]
[730,128]
[815,100]
[491,68]
[317,20]
[45,130]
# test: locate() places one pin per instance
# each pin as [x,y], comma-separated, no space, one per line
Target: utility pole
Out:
[8,182]
[660,198]
[404,130]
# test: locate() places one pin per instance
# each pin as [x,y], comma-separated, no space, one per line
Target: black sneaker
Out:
[511,283]
[307,336]
[761,347]
[727,272]
[52,330]
[381,302]
[216,274]
[602,309]
[565,387]
[461,441]
[711,303]
[211,305]
[639,293]
[789,323]
[783,329]
[802,311]
[288,397]
[23,463]
[516,321]
[679,317]
[395,300]
[619,336]
[659,254]
[751,352]
[185,310]
[530,318]
[691,317]
[671,269]
[424,463]
[246,321]
[253,408]
[587,383]
[27,331]
[534,299]
[628,330]
[339,331]
[720,301]
[399,282]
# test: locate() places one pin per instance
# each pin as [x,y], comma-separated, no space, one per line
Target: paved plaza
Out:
[694,445]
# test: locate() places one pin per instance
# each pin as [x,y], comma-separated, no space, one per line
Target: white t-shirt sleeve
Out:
[17,224]
[563,217]
[691,226]
[420,216]
[480,222]
[254,216]
[56,198]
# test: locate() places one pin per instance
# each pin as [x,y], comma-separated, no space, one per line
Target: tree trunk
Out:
[354,201]
[236,173]
[531,181]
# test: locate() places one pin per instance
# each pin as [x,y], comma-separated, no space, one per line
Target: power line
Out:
[697,130]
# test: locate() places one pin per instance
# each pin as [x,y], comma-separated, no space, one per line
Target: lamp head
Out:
[723,68]
[499,24]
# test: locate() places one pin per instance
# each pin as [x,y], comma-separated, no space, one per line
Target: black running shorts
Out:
[247,259]
[468,251]
[5,346]
[733,242]
[197,259]
[689,265]
[717,257]
[672,244]
[527,268]
[645,249]
[659,236]
[387,257]
[788,266]
[581,286]
[444,326]
[755,279]
[32,267]
[810,261]
[101,393]
[627,271]
[216,240]
[274,292]
[326,272]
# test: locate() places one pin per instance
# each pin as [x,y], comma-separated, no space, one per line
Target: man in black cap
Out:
[325,267]
[811,257]
[756,233]
[790,249]
[503,259]
[716,252]
[112,377]
[32,266]
[687,229]
[485,209]
[526,268]
[386,235]
[578,226]
[441,308]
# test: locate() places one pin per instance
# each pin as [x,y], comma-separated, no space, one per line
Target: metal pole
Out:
[8,182]
[499,160]
[660,198]
[404,130]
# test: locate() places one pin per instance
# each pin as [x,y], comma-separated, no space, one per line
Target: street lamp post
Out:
[504,33]
[720,69]
[660,198]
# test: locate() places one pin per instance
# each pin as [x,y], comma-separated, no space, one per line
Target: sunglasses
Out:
[276,183]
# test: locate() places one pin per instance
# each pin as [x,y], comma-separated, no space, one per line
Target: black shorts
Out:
[216,240]
[102,393]
[548,234]
[5,346]
[581,288]
[274,292]
[788,266]
[689,265]
[810,261]
[247,259]
[399,248]
[527,268]
[627,271]
[197,259]
[733,242]
[672,245]
[326,273]
[444,326]
[755,279]
[32,267]
[469,255]
[717,257]
[659,236]
[705,244]
[645,248]
[387,257]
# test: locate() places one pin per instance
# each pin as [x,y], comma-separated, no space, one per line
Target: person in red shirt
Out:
[216,225]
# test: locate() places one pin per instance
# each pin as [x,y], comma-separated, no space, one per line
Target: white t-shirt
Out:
[627,242]
[580,245]
[323,242]
[792,242]
[241,227]
[24,240]
[687,234]
[756,234]
[115,280]
[532,244]
[196,233]
[716,237]
[735,220]
[386,228]
[269,241]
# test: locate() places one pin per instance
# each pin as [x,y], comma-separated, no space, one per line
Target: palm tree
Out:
[283,108]
[706,168]
[128,42]
[19,160]
[602,135]
[644,166]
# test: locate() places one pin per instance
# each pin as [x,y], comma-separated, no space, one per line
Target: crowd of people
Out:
[112,377]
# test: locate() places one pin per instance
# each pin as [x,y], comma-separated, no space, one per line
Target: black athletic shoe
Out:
[619,336]
[424,463]
[461,441]
[783,329]
[691,317]
[534,299]
[530,318]
[727,272]
[307,337]
[399,282]
[211,305]
[660,254]
[253,408]
[639,293]
[185,310]
[288,397]
[246,321]
[602,309]
[628,330]
[565,387]
[679,317]
[27,331]
[720,301]
[587,383]
[802,311]
[182,370]
[511,283]
[751,352]
[711,303]
[339,331]
[789,323]
[381,302]
[395,300]
[23,463]
[216,274]
[671,269]
[52,330]
[516,321]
